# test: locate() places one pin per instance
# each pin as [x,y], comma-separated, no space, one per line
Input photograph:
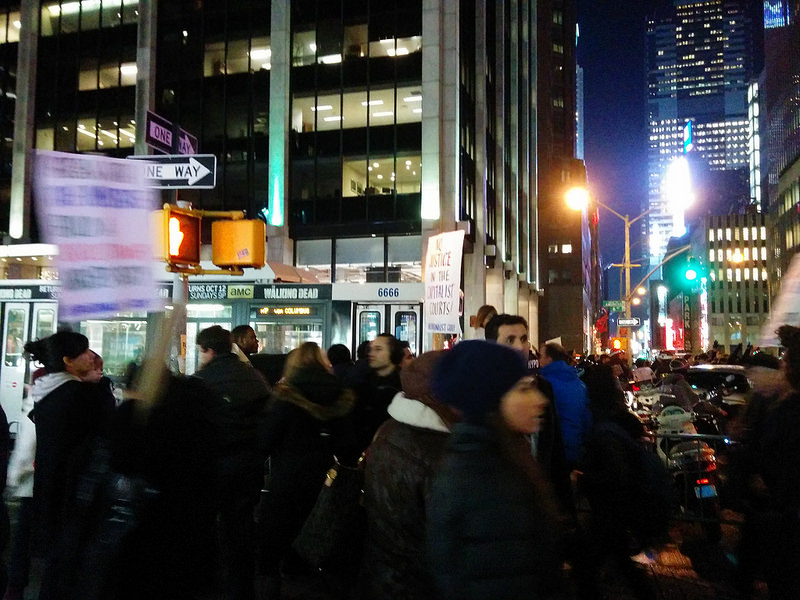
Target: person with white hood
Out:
[399,470]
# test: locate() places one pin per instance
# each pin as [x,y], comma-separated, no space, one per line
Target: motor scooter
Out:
[692,464]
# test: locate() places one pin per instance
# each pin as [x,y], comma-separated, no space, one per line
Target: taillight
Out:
[635,387]
[703,481]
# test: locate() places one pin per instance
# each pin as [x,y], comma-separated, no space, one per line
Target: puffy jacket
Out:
[572,404]
[399,470]
[490,533]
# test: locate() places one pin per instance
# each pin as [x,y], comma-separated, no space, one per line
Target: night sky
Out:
[611,52]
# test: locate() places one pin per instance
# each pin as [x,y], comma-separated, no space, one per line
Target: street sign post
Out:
[629,321]
[614,305]
[180,171]
[160,135]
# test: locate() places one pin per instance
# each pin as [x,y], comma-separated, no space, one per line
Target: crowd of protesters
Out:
[477,460]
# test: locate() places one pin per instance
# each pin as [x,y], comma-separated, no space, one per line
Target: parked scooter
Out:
[692,464]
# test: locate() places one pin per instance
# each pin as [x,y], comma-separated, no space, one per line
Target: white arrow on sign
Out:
[192,172]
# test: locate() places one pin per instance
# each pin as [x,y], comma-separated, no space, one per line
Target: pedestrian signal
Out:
[177,233]
[239,243]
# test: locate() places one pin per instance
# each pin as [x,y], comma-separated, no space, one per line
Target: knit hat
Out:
[474,376]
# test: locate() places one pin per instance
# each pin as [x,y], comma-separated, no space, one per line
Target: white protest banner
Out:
[97,210]
[785,309]
[442,282]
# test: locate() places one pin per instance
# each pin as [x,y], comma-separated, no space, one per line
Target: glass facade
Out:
[355,124]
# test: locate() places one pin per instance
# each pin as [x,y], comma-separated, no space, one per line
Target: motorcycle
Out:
[692,464]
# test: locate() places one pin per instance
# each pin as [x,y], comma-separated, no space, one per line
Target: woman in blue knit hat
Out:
[493,525]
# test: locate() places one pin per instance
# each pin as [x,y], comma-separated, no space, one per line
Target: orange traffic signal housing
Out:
[177,232]
[239,243]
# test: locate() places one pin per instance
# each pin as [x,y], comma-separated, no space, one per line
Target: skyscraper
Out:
[701,55]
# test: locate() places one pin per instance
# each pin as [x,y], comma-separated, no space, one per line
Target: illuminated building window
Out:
[728,233]
[566,248]
[755,274]
[729,274]
[710,235]
[745,233]
[763,274]
[763,253]
[747,253]
[711,255]
[552,249]
[763,233]
[738,274]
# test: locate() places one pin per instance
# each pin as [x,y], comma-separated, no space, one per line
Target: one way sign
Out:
[180,171]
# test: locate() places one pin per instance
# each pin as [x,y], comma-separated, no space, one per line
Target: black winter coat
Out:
[399,471]
[491,533]
[306,426]
[68,421]
[244,393]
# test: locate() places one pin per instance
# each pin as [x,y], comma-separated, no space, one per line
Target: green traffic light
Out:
[690,274]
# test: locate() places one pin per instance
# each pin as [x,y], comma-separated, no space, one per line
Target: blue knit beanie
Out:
[474,375]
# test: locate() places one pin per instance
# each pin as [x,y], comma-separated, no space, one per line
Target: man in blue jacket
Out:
[572,402]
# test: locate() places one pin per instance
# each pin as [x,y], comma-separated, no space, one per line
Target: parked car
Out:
[728,382]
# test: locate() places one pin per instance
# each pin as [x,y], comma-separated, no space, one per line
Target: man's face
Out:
[514,336]
[248,343]
[379,354]
[204,356]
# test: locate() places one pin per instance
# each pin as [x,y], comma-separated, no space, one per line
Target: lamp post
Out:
[578,198]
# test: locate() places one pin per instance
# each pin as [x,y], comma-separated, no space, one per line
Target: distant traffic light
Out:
[177,233]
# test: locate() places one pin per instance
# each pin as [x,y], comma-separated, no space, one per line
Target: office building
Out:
[356,128]
[701,56]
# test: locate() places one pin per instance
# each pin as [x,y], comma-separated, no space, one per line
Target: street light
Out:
[578,198]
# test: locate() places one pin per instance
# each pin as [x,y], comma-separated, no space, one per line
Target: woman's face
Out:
[81,365]
[523,407]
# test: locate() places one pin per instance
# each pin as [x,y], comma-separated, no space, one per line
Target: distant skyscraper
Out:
[700,59]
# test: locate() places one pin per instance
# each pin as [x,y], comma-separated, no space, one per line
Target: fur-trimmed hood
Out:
[318,393]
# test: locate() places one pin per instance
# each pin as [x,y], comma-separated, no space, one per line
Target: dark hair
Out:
[395,348]
[790,339]
[339,354]
[240,331]
[555,352]
[51,351]
[215,338]
[362,352]
[493,326]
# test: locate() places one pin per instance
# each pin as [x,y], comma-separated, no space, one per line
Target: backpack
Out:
[650,509]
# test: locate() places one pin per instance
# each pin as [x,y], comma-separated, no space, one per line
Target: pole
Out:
[628,286]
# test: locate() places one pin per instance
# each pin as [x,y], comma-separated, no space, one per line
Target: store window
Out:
[356,256]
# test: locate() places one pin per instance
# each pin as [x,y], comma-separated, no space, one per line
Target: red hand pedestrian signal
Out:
[177,235]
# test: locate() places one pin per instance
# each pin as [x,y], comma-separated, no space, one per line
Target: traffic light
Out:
[693,272]
[177,233]
[240,243]
[618,343]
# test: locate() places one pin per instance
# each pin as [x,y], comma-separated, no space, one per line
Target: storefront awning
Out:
[289,274]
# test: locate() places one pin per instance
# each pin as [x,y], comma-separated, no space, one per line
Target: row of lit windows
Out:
[307,49]
[357,109]
[736,255]
[733,234]
[89,134]
[739,274]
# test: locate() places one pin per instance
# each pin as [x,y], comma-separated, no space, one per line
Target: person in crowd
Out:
[676,383]
[245,339]
[341,361]
[774,521]
[509,330]
[547,444]
[621,524]
[484,315]
[643,373]
[20,484]
[240,469]
[399,470]
[571,400]
[307,425]
[492,526]
[380,386]
[408,355]
[172,442]
[70,416]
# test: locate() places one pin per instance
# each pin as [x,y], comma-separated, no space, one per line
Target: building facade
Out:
[701,56]
[356,128]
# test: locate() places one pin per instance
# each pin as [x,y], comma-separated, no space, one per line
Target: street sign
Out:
[629,321]
[614,305]
[160,135]
[180,171]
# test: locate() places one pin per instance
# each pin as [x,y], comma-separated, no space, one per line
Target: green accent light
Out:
[276,203]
